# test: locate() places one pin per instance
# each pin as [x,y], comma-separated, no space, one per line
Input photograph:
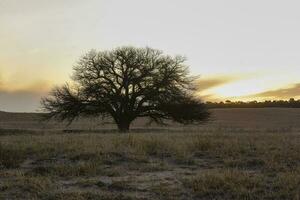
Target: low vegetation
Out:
[195,165]
[291,103]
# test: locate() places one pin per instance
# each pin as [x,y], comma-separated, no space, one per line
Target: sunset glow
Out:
[241,50]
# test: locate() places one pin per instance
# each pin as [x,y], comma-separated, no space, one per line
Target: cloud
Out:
[38,86]
[26,99]
[210,97]
[282,93]
[220,88]
[19,101]
[208,83]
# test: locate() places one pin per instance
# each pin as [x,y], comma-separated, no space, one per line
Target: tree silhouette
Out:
[291,103]
[127,83]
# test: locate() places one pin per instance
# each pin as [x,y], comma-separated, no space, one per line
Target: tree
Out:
[127,83]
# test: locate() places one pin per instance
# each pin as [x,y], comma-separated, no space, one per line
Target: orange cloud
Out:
[208,83]
[205,84]
[23,99]
[219,80]
[282,93]
[40,86]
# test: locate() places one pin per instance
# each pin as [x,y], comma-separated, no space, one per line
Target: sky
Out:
[242,50]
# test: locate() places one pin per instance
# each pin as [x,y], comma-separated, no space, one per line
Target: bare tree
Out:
[127,83]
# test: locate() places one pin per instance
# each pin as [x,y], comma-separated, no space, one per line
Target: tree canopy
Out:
[127,83]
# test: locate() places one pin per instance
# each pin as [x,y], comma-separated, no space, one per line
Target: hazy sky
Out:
[242,49]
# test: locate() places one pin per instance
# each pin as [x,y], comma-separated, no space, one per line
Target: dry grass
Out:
[241,154]
[238,184]
[225,120]
[151,166]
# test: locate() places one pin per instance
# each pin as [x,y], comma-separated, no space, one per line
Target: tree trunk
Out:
[123,126]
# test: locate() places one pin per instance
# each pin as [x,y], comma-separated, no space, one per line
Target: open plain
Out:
[238,154]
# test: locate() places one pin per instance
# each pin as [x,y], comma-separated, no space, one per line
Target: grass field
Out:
[241,154]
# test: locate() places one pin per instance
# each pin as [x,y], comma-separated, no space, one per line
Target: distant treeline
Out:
[292,103]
